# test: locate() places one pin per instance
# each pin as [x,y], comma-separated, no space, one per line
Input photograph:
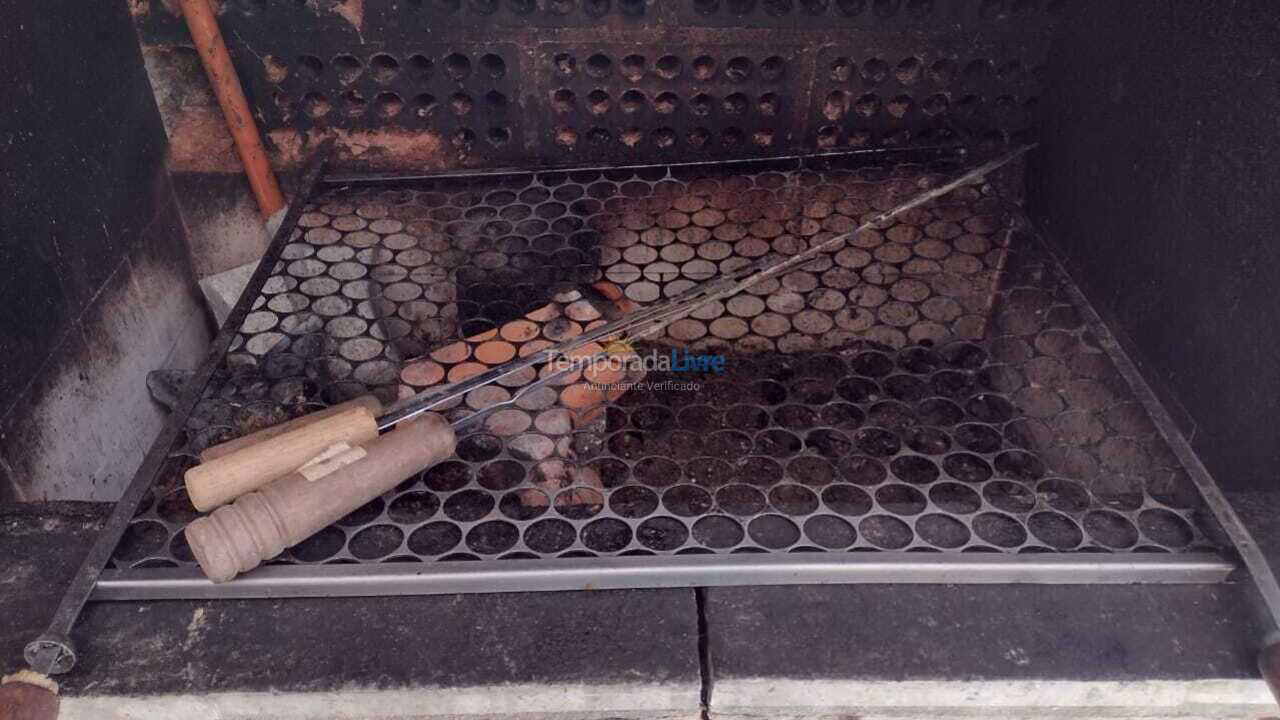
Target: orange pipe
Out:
[226,86]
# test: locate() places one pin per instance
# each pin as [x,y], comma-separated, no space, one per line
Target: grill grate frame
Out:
[1077,455]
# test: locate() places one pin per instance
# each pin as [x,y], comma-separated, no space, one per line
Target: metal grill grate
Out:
[932,387]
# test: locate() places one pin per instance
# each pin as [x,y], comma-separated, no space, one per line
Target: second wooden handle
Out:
[229,476]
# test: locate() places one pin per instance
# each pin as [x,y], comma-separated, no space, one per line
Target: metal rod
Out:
[799,158]
[53,652]
[618,573]
[207,39]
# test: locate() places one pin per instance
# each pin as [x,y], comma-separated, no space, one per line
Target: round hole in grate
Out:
[457,66]
[704,67]
[738,69]
[274,69]
[140,539]
[1110,529]
[598,102]
[874,71]
[633,67]
[886,532]
[633,502]
[1009,496]
[900,499]
[668,67]
[493,65]
[1165,527]
[847,500]
[662,533]
[914,469]
[579,503]
[375,542]
[999,530]
[562,100]
[523,504]
[347,68]
[740,7]
[955,498]
[1055,530]
[1019,465]
[598,65]
[310,67]
[1065,496]
[383,68]
[666,103]
[772,68]
[496,101]
[862,470]
[549,536]
[468,505]
[316,105]
[687,501]
[773,531]
[565,64]
[606,535]
[388,104]
[830,532]
[793,499]
[413,507]
[942,531]
[492,537]
[927,440]
[435,539]
[632,100]
[353,103]
[460,103]
[424,105]
[718,531]
[698,138]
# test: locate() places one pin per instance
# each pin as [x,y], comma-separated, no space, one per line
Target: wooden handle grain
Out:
[238,537]
[371,403]
[229,476]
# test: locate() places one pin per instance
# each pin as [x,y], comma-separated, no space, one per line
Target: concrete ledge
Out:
[515,701]
[1008,700]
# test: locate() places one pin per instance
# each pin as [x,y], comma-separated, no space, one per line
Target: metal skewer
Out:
[664,314]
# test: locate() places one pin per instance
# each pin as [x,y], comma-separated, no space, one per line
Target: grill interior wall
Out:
[487,83]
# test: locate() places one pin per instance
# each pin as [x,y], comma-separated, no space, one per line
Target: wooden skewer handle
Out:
[238,537]
[229,476]
[369,402]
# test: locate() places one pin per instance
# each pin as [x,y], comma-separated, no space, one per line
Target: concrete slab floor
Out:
[810,651]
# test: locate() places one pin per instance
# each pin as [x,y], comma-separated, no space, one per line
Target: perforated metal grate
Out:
[493,84]
[929,387]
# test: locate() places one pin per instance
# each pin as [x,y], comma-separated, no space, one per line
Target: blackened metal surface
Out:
[929,387]
[565,82]
[83,193]
[1158,181]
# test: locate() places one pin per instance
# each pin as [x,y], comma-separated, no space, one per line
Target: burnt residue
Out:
[575,82]
[90,204]
[1157,178]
